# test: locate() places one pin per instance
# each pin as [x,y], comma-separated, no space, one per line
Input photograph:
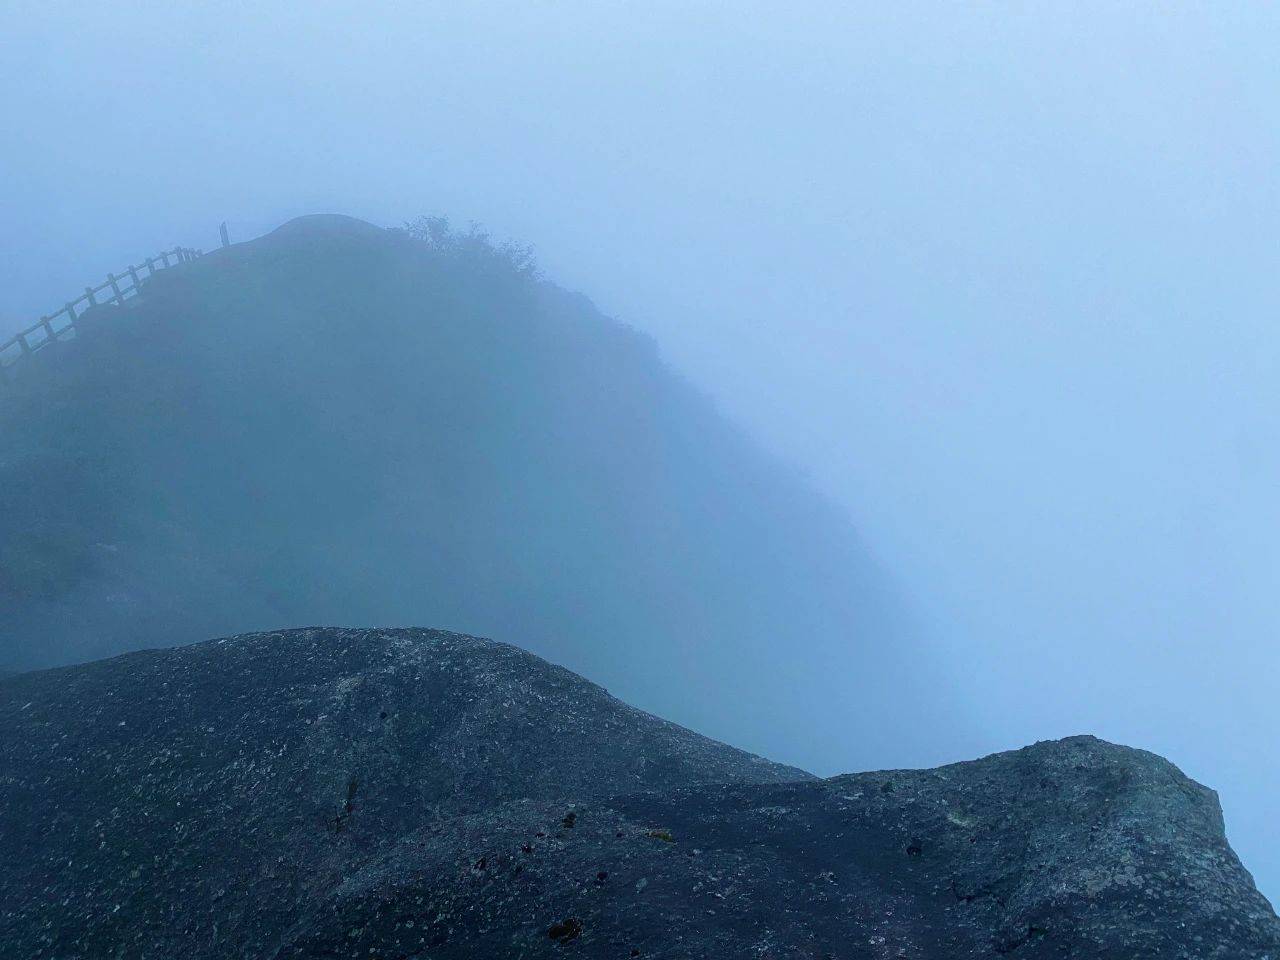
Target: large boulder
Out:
[330,793]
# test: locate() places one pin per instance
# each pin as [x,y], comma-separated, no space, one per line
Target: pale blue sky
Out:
[1002,278]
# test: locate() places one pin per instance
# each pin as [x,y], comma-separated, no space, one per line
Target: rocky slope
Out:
[409,793]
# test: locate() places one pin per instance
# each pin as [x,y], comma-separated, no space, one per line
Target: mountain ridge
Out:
[341,423]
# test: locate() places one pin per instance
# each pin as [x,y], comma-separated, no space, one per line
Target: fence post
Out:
[118,294]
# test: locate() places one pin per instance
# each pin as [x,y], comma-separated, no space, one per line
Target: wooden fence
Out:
[61,324]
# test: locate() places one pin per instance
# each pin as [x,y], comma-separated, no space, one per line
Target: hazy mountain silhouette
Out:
[338,423]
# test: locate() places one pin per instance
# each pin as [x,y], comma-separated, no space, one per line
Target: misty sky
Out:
[1001,278]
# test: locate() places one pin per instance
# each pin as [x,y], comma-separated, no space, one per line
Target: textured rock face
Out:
[411,793]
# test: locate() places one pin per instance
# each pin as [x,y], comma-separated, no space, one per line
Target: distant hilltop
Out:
[328,793]
[342,423]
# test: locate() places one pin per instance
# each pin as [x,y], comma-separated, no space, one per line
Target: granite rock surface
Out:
[326,793]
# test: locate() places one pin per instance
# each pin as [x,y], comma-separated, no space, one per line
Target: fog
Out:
[1000,280]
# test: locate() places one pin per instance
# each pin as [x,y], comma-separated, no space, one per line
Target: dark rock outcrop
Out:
[410,793]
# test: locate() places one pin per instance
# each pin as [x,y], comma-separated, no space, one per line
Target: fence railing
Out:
[61,324]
